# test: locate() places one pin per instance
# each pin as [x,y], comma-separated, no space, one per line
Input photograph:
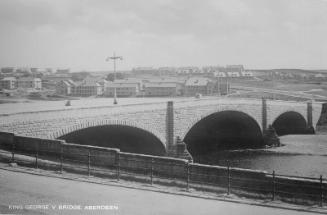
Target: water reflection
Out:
[282,163]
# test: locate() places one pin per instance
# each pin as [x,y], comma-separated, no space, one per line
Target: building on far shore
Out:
[167,71]
[123,89]
[90,86]
[137,81]
[220,74]
[95,81]
[62,71]
[8,70]
[199,85]
[188,70]
[235,68]
[8,83]
[86,89]
[234,74]
[164,86]
[65,87]
[247,74]
[144,71]
[161,89]
[50,81]
[29,83]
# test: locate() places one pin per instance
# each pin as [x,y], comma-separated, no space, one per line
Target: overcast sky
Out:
[80,34]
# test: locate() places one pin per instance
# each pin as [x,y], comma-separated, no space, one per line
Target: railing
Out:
[223,180]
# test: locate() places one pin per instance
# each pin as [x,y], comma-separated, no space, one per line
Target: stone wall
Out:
[6,139]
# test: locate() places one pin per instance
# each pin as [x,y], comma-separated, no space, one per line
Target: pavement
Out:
[36,194]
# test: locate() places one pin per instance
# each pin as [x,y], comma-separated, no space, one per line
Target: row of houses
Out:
[244,74]
[230,71]
[299,76]
[10,71]
[11,83]
[88,87]
[149,88]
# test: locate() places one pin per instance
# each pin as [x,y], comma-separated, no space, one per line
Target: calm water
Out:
[282,163]
[301,155]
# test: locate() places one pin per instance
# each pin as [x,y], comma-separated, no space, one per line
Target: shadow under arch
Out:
[225,130]
[124,137]
[291,122]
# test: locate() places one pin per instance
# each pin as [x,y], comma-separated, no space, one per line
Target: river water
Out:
[301,155]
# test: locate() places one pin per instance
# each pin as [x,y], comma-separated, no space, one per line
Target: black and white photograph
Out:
[157,107]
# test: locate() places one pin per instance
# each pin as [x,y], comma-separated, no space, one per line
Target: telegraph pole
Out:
[114,58]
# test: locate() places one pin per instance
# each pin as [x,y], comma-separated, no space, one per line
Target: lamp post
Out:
[114,58]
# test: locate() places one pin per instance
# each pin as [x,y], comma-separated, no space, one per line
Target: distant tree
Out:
[25,74]
[119,75]
[38,75]
[79,76]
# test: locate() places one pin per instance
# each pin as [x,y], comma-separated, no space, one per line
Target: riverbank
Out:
[303,144]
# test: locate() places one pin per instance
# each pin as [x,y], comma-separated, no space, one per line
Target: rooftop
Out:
[166,80]
[92,81]
[197,81]
[9,79]
[29,79]
[114,84]
[69,82]
[160,84]
[130,80]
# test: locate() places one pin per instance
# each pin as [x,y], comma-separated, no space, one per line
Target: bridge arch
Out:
[224,130]
[290,122]
[115,130]
[193,121]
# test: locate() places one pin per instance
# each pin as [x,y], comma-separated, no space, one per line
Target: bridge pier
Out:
[309,114]
[310,128]
[170,127]
[264,115]
[181,150]
[270,138]
[175,148]
[322,122]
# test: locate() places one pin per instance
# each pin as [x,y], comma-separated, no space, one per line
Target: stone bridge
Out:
[187,119]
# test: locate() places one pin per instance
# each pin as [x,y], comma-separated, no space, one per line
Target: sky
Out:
[81,34]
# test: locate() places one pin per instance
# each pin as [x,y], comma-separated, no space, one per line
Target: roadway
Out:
[299,94]
[23,193]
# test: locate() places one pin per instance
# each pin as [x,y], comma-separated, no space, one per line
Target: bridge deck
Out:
[43,122]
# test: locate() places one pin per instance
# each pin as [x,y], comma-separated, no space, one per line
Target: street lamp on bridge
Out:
[114,58]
